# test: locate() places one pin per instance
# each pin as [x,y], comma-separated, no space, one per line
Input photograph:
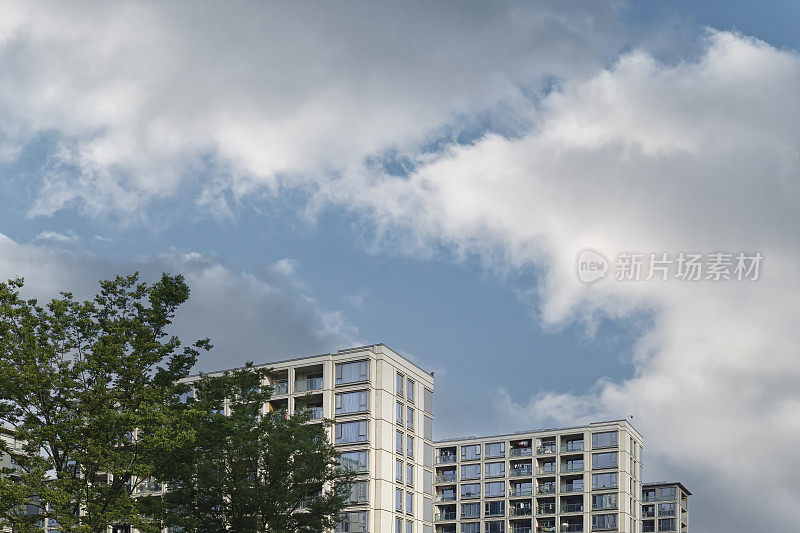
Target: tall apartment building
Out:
[665,507]
[585,478]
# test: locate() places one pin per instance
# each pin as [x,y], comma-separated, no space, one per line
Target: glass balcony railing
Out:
[520,491]
[572,507]
[571,528]
[546,508]
[315,411]
[520,471]
[446,478]
[521,511]
[441,517]
[545,529]
[572,446]
[445,497]
[526,529]
[549,468]
[445,459]
[308,384]
[571,487]
[545,449]
[572,467]
[520,452]
[546,489]
[280,387]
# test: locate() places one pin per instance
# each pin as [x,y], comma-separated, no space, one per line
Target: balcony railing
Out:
[445,497]
[520,471]
[445,459]
[545,449]
[648,496]
[316,411]
[546,508]
[520,452]
[648,528]
[526,529]
[545,529]
[520,491]
[446,478]
[572,507]
[521,511]
[308,384]
[572,446]
[280,387]
[571,528]
[572,467]
[571,487]
[549,468]
[441,517]
[546,489]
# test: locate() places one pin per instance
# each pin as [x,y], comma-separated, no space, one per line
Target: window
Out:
[410,475]
[399,413]
[398,499]
[649,495]
[410,502]
[604,460]
[606,439]
[666,493]
[604,501]
[400,381]
[428,404]
[604,481]
[410,390]
[473,451]
[427,427]
[666,509]
[410,446]
[358,492]
[355,461]
[353,522]
[471,471]
[351,431]
[495,488]
[398,470]
[470,490]
[409,527]
[399,442]
[495,469]
[352,402]
[352,372]
[470,510]
[496,508]
[666,524]
[604,521]
[472,527]
[398,525]
[496,449]
[495,527]
[410,418]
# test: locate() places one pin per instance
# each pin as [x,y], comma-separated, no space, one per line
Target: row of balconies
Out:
[545,447]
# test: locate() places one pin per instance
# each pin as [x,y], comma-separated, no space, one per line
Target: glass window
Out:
[409,526]
[398,525]
[352,402]
[398,499]
[410,475]
[355,431]
[410,446]
[410,418]
[495,508]
[495,527]
[400,381]
[427,427]
[666,524]
[470,490]
[410,390]
[358,492]
[666,509]
[472,527]
[604,460]
[428,401]
[353,522]
[355,461]
[604,501]
[496,449]
[399,413]
[495,469]
[472,451]
[471,471]
[470,510]
[495,488]
[604,521]
[398,446]
[666,493]
[409,502]
[607,439]
[603,481]
[398,470]
[352,372]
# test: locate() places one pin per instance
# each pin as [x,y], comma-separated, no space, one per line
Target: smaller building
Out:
[665,507]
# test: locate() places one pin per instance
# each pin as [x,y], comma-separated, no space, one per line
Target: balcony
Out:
[525,510]
[520,491]
[521,452]
[571,528]
[572,446]
[546,508]
[308,384]
[572,507]
[572,487]
[548,468]
[546,489]
[445,516]
[314,410]
[445,498]
[445,459]
[525,471]
[572,467]
[521,529]
[545,449]
[280,387]
[648,527]
[546,529]
[446,478]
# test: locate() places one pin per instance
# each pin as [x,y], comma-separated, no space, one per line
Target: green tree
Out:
[251,470]
[89,388]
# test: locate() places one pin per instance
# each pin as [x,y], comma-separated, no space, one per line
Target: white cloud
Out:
[69,236]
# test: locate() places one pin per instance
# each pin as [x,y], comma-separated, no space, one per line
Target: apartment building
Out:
[665,507]
[585,478]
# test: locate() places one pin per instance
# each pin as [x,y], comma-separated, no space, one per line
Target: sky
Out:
[425,175]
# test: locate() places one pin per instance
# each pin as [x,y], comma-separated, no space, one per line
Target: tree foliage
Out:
[89,389]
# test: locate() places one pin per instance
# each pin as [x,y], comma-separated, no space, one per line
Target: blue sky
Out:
[424,177]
